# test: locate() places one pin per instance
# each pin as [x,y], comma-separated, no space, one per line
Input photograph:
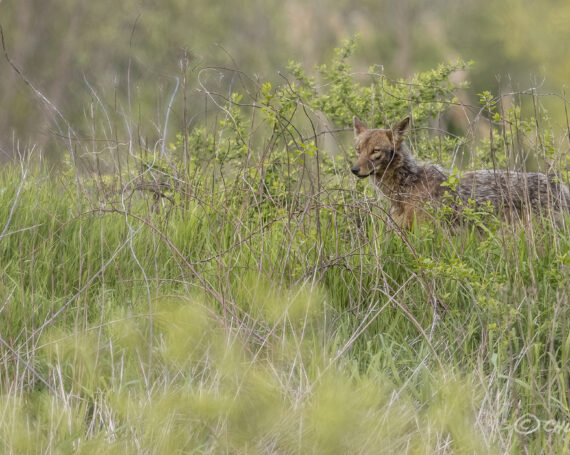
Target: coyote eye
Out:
[376,153]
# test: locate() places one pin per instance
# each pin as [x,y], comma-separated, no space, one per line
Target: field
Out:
[237,291]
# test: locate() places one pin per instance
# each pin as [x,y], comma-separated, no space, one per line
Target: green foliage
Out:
[340,97]
[241,294]
[119,70]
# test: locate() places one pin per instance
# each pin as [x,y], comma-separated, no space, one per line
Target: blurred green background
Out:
[127,54]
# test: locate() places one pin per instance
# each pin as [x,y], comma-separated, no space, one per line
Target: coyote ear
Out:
[402,127]
[359,127]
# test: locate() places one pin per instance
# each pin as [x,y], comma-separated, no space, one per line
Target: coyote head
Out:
[378,150]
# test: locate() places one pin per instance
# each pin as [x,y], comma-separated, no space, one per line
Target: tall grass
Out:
[262,303]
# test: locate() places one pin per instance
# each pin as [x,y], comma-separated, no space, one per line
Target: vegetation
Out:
[135,58]
[236,291]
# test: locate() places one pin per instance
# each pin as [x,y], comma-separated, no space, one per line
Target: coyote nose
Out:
[355,170]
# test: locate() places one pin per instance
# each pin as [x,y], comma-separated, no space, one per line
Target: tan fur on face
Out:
[409,186]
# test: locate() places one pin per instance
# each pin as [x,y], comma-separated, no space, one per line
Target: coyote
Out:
[412,187]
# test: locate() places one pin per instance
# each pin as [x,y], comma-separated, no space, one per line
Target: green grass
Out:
[226,324]
[242,294]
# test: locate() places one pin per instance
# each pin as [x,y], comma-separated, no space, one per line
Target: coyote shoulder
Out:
[410,186]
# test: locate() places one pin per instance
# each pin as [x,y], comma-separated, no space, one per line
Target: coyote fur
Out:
[411,187]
